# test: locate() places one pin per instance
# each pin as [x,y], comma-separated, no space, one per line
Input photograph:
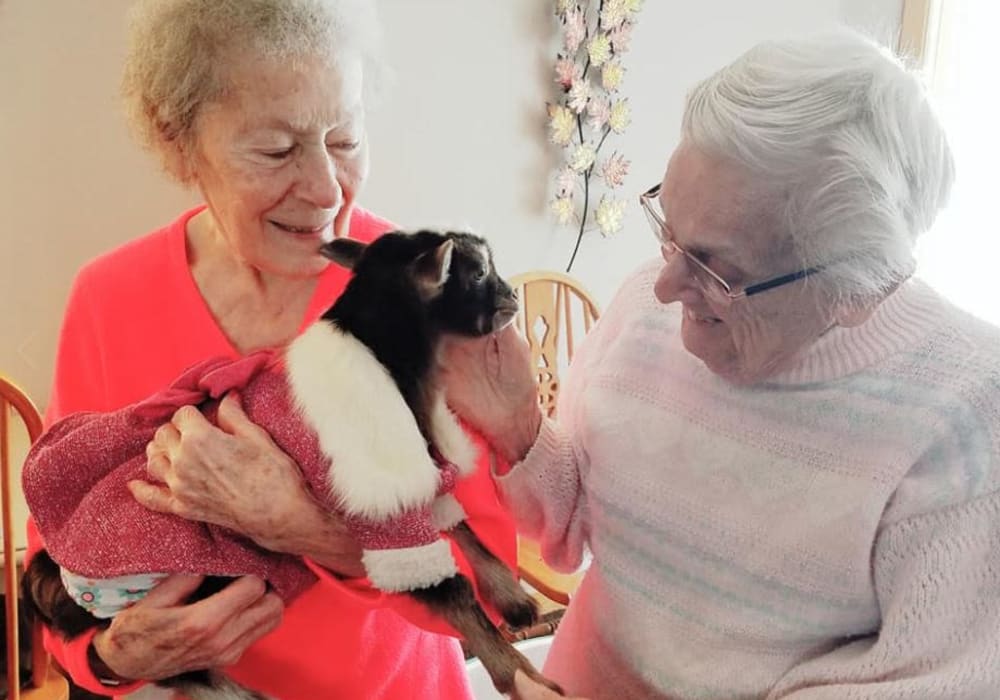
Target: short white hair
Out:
[847,136]
[180,50]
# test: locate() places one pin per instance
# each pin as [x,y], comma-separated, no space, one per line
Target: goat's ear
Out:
[431,268]
[343,251]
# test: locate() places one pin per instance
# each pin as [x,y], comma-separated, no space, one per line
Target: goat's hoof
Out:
[520,611]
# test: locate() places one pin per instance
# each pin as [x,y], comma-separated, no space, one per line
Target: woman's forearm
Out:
[311,531]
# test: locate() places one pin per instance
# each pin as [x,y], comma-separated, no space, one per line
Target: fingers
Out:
[233,419]
[166,442]
[260,619]
[155,497]
[231,600]
[162,635]
[171,591]
[527,689]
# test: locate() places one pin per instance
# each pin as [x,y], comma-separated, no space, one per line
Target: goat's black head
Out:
[452,274]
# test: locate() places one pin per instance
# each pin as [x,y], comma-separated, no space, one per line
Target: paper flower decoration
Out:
[582,157]
[576,29]
[613,13]
[609,215]
[621,37]
[568,72]
[562,207]
[579,96]
[614,170]
[612,74]
[566,181]
[589,73]
[599,50]
[562,122]
[599,111]
[620,117]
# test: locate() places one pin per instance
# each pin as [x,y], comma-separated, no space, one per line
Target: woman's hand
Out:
[161,635]
[489,382]
[235,476]
[527,689]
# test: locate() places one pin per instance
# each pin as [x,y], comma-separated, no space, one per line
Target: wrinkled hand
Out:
[527,689]
[490,383]
[235,476]
[160,636]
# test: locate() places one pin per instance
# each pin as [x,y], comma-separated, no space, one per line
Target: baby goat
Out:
[385,451]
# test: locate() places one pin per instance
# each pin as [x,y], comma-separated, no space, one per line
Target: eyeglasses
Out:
[711,282]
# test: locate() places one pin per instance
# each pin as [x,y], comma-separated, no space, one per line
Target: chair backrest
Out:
[556,312]
[13,401]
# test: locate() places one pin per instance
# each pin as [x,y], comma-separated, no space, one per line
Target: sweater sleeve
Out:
[937,578]
[546,490]
[545,495]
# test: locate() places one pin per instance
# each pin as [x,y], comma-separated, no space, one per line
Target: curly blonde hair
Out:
[179,52]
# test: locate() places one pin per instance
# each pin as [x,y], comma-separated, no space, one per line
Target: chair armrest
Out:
[534,571]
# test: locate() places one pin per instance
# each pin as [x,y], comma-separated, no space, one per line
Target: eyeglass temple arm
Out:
[779,281]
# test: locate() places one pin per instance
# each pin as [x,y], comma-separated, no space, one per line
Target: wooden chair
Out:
[556,312]
[46,683]
[553,307]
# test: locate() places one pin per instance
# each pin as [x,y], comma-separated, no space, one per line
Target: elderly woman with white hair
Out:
[781,448]
[259,106]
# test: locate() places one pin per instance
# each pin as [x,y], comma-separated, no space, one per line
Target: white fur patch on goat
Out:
[380,463]
[398,570]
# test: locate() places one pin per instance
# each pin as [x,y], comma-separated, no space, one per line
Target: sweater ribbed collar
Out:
[901,321]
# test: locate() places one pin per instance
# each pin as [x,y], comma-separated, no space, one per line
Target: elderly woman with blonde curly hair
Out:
[259,105]
[781,448]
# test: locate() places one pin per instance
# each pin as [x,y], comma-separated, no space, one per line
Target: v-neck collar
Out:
[330,285]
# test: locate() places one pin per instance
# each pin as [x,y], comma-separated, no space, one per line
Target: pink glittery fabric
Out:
[75,482]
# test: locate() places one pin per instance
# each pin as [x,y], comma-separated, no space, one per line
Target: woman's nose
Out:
[319,184]
[674,282]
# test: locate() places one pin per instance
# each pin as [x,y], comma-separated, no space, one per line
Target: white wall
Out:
[458,140]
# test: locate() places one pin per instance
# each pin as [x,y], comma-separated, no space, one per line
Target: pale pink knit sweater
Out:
[832,534]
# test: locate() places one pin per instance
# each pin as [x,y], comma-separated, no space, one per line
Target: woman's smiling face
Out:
[281,158]
[716,211]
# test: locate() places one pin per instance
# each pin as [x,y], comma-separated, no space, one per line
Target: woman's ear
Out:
[853,312]
[179,160]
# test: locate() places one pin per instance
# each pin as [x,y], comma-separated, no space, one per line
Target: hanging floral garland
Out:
[590,107]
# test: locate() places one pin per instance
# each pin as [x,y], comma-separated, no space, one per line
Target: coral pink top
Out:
[134,321]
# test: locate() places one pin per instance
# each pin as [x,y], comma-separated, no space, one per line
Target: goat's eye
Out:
[479,275]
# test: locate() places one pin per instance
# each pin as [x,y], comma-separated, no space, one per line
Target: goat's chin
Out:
[502,319]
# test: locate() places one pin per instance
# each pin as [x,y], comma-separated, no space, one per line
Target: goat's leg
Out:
[454,600]
[496,583]
[46,599]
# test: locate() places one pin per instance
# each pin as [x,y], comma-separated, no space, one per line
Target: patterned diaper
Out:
[106,597]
